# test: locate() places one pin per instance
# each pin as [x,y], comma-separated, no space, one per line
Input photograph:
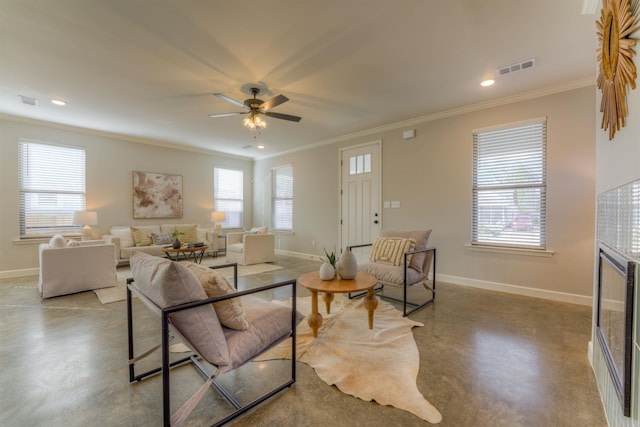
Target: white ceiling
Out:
[147,69]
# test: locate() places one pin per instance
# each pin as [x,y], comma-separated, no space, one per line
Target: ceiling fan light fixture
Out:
[253,121]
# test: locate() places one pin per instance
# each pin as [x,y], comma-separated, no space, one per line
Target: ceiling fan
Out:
[254,107]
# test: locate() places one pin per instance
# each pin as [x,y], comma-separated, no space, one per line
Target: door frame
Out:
[378,144]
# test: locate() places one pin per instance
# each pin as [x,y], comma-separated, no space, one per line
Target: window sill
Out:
[511,251]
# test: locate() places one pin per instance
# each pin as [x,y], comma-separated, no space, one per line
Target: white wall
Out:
[431,176]
[618,163]
[110,163]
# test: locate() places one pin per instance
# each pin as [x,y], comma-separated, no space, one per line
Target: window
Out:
[282,197]
[509,185]
[228,195]
[51,187]
[360,164]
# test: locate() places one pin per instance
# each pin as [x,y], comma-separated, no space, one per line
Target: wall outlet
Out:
[313,243]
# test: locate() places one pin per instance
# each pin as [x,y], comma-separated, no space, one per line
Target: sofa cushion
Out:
[390,250]
[230,312]
[167,283]
[57,241]
[190,234]
[124,234]
[390,274]
[141,236]
[268,320]
[235,247]
[422,239]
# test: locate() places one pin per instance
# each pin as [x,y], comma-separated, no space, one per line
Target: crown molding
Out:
[118,136]
[524,96]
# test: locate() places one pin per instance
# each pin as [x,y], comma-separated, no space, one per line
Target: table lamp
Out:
[86,219]
[218,218]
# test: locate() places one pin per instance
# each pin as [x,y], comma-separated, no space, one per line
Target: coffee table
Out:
[313,282]
[195,254]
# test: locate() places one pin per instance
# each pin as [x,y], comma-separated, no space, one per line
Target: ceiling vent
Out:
[29,100]
[246,147]
[519,66]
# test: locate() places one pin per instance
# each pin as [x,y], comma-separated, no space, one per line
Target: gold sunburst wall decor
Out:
[618,20]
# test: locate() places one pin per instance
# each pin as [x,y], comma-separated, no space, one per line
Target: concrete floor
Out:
[486,359]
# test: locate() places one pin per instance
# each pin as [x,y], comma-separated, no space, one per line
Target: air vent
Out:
[28,100]
[519,66]
[246,147]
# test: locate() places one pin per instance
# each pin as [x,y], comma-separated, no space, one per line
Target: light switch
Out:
[387,204]
[395,204]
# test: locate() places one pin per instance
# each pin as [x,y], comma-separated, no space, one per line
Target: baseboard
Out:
[297,254]
[10,274]
[518,290]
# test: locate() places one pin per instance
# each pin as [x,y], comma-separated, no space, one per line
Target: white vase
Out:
[348,265]
[327,272]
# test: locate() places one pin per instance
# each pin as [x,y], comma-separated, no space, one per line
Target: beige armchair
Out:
[67,270]
[247,248]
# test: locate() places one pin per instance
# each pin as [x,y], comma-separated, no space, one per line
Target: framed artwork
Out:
[157,195]
[617,71]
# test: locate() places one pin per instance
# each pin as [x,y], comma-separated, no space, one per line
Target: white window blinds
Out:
[51,187]
[509,185]
[282,197]
[228,195]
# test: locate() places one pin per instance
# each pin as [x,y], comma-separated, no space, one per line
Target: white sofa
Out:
[251,247]
[144,238]
[69,269]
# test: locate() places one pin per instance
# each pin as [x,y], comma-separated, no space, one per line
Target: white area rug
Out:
[119,292]
[378,364]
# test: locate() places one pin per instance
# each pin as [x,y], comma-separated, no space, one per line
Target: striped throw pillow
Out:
[390,250]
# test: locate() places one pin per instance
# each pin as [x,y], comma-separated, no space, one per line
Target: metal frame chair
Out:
[430,259]
[166,366]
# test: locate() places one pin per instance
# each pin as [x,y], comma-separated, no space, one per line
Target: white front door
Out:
[360,195]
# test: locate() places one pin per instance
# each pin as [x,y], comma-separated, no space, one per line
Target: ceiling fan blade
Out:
[228,114]
[283,116]
[273,102]
[232,101]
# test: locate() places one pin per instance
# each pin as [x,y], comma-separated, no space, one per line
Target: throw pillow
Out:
[141,237]
[124,234]
[72,243]
[169,283]
[259,230]
[190,234]
[390,250]
[160,238]
[421,237]
[57,241]
[230,312]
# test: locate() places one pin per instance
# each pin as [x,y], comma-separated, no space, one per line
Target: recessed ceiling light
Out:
[59,102]
[487,83]
[261,147]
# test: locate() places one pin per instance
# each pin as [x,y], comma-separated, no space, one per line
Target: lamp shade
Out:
[85,218]
[218,216]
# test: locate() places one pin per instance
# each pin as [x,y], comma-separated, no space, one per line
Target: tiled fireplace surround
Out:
[618,226]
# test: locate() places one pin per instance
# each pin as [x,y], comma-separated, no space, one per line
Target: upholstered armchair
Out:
[221,326]
[251,247]
[67,270]
[403,260]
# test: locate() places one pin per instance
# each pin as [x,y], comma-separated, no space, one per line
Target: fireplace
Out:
[614,322]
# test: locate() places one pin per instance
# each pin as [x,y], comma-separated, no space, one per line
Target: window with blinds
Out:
[509,185]
[282,198]
[228,194]
[51,187]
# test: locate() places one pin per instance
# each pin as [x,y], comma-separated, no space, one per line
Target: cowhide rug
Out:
[378,364]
